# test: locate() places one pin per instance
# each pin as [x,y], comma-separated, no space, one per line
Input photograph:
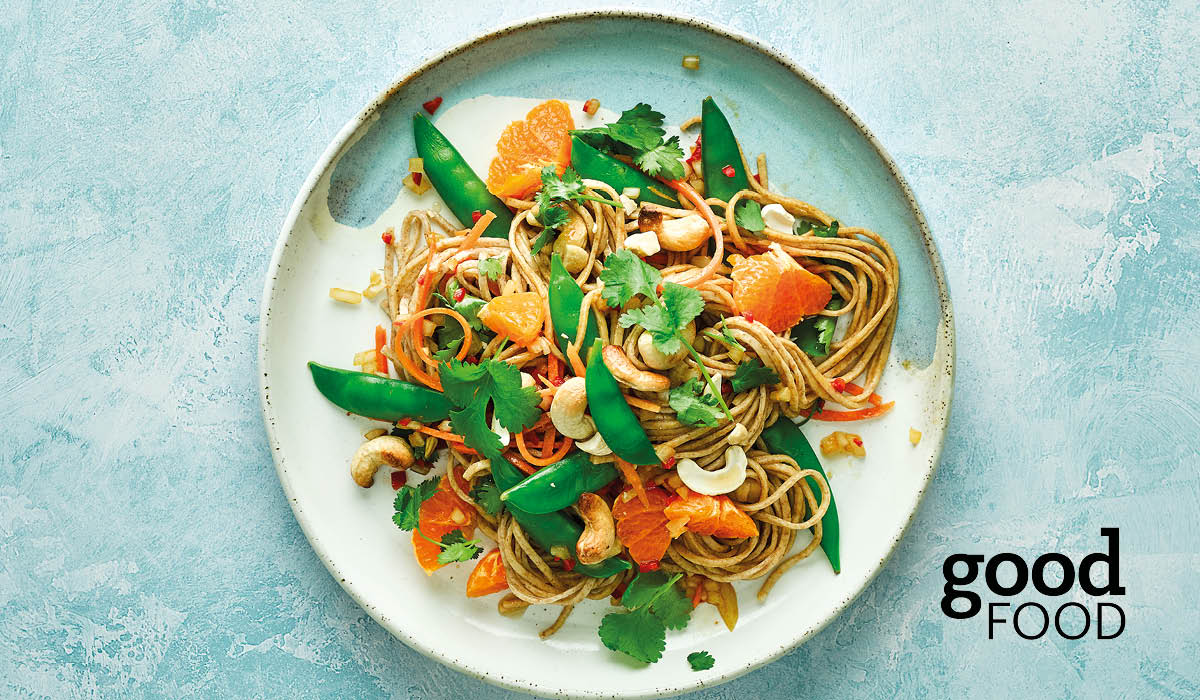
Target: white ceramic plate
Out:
[331,238]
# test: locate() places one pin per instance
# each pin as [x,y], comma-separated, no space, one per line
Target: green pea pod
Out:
[553,531]
[784,437]
[566,298]
[594,165]
[814,334]
[378,397]
[459,186]
[719,150]
[559,485]
[614,418]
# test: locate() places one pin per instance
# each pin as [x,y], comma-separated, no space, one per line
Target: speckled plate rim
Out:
[946,325]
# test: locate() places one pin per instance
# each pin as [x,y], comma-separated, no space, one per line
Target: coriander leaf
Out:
[700,660]
[469,306]
[683,304]
[456,547]
[638,128]
[637,634]
[725,336]
[657,322]
[662,159]
[625,276]
[547,232]
[516,407]
[749,216]
[408,503]
[750,374]
[692,407]
[470,422]
[802,227]
[486,494]
[448,352]
[642,589]
[491,267]
[673,608]
[463,382]
[556,188]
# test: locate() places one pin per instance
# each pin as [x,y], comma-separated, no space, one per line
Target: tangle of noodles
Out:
[860,266]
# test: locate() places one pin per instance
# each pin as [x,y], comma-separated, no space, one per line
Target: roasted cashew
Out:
[567,410]
[371,455]
[686,233]
[599,532]
[653,357]
[595,445]
[622,368]
[723,480]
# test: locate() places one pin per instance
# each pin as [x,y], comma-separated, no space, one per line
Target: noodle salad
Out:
[608,368]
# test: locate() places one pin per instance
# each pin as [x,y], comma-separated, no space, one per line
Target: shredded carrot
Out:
[577,365]
[381,364]
[419,345]
[425,378]
[553,370]
[548,440]
[718,256]
[860,414]
[633,479]
[476,231]
[562,451]
[855,390]
[448,437]
[638,402]
[463,449]
[698,595]
[520,464]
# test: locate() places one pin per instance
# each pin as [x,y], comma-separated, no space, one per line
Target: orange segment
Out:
[488,576]
[442,514]
[711,515]
[643,529]
[526,146]
[519,316]
[777,291]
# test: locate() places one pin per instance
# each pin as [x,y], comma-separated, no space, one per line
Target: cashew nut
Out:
[777,218]
[570,245]
[594,445]
[723,480]
[739,435]
[567,410]
[624,371]
[644,244]
[685,233]
[655,358]
[371,455]
[599,532]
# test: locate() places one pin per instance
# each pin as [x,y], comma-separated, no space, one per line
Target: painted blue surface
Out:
[148,154]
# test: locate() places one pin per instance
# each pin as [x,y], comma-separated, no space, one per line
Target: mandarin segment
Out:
[778,294]
[528,145]
[641,529]
[488,576]
[711,515]
[518,316]
[441,514]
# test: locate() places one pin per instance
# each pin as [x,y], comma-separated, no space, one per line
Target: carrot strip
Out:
[553,370]
[718,256]
[520,464]
[854,390]
[448,437]
[633,479]
[476,231]
[638,402]
[698,595]
[860,414]
[381,364]
[548,440]
[463,449]
[577,365]
[562,451]
[418,343]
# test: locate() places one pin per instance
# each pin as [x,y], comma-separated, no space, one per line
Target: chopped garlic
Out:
[629,205]
[842,443]
[631,192]
[914,436]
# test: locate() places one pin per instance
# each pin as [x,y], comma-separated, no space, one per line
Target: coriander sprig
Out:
[673,307]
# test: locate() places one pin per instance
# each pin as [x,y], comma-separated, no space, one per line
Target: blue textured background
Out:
[149,153]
